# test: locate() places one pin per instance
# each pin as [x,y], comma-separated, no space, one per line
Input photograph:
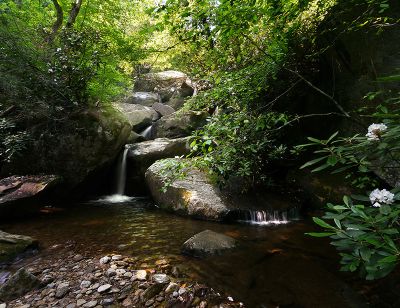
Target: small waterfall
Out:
[265,217]
[146,134]
[122,173]
[119,196]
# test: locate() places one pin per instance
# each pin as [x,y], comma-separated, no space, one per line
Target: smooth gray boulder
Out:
[194,195]
[167,84]
[179,124]
[11,245]
[138,116]
[142,155]
[162,109]
[208,243]
[19,284]
[143,98]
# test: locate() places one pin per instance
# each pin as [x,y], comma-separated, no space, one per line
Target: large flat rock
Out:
[143,98]
[138,116]
[193,195]
[142,155]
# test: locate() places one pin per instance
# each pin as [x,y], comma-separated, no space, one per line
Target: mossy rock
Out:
[11,245]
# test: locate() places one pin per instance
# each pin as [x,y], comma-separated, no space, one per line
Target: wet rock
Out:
[143,98]
[11,245]
[162,109]
[179,124]
[194,195]
[107,301]
[104,288]
[142,155]
[18,284]
[138,116]
[161,278]
[208,243]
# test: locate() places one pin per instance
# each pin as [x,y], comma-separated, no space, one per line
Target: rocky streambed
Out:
[64,278]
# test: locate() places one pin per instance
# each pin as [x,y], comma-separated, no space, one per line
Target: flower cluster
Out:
[375,131]
[379,197]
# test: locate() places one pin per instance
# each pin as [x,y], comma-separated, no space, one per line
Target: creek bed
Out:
[273,265]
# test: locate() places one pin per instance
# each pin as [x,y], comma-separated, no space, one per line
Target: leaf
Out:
[360,198]
[312,162]
[324,166]
[322,223]
[320,234]
[389,259]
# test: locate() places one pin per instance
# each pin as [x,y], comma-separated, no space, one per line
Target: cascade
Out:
[146,134]
[122,173]
[121,182]
[268,217]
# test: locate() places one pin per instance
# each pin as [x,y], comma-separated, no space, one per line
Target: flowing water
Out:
[146,134]
[274,265]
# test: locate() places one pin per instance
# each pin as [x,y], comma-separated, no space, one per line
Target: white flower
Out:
[375,131]
[58,49]
[378,197]
[50,70]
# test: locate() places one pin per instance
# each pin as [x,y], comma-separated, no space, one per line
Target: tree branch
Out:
[58,23]
[76,7]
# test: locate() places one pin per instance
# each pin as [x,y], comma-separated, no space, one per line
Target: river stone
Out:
[162,109]
[208,243]
[161,278]
[167,84]
[152,291]
[138,116]
[179,124]
[19,284]
[139,275]
[105,260]
[11,245]
[104,288]
[194,195]
[172,287]
[142,155]
[143,98]
[62,289]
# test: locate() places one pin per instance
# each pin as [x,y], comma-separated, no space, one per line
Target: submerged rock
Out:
[193,195]
[179,124]
[11,245]
[143,98]
[208,243]
[19,284]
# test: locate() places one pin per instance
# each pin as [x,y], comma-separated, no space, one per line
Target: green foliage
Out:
[173,169]
[239,144]
[12,141]
[366,236]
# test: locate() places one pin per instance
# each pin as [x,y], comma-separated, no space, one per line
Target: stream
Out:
[274,265]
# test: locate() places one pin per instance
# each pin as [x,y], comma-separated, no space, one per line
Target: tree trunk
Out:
[58,23]
[74,13]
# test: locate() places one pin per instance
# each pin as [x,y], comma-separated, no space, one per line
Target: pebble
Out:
[80,302]
[71,306]
[62,289]
[104,288]
[78,258]
[120,271]
[182,291]
[3,305]
[111,272]
[95,286]
[172,287]
[90,304]
[175,294]
[105,260]
[139,275]
[161,278]
[107,301]
[128,274]
[117,257]
[85,284]
[149,302]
